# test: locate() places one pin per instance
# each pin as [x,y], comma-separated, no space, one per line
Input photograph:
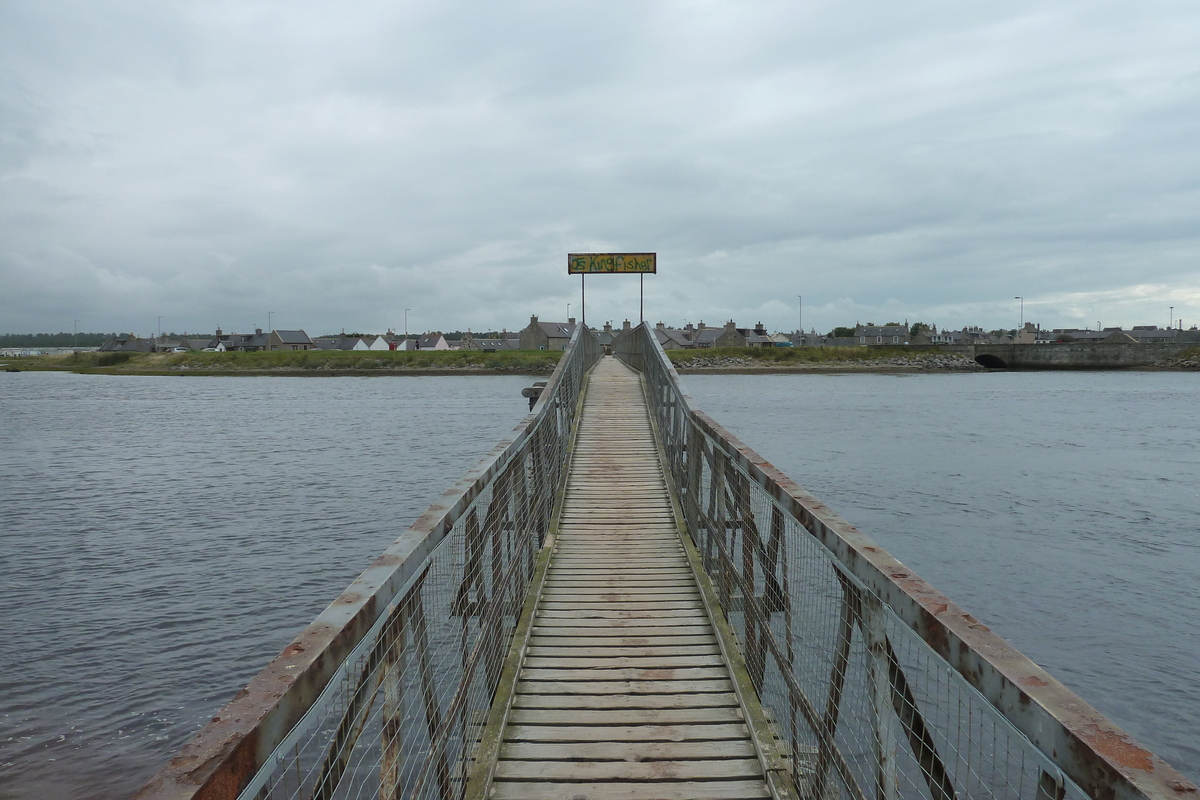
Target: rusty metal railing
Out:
[384,694]
[878,685]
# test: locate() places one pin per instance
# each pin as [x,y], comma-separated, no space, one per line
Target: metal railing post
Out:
[880,692]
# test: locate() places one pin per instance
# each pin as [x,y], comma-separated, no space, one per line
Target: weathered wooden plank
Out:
[622,790]
[618,651]
[616,613]
[622,600]
[629,770]
[626,674]
[629,790]
[663,582]
[624,751]
[596,687]
[631,605]
[602,618]
[622,662]
[625,733]
[623,716]
[641,562]
[632,570]
[626,701]
[592,641]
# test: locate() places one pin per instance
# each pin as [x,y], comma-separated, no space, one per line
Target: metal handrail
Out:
[404,660]
[878,683]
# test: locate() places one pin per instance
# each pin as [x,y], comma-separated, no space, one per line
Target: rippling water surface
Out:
[161,539]
[1062,509]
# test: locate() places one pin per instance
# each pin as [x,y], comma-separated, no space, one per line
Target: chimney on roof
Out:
[570,320]
[533,319]
[608,326]
[258,330]
[625,326]
[731,326]
[218,333]
[760,329]
[700,327]
[658,326]
[689,327]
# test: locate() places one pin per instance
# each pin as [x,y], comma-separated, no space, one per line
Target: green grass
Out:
[315,361]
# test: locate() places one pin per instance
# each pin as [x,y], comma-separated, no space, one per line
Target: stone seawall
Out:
[1077,355]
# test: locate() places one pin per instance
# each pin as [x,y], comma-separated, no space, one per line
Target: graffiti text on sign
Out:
[591,263]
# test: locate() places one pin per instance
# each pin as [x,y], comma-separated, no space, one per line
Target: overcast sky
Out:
[336,163]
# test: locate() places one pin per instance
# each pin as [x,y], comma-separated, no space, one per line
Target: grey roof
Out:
[557,330]
[497,344]
[673,335]
[293,337]
[881,330]
[131,344]
[345,343]
[708,335]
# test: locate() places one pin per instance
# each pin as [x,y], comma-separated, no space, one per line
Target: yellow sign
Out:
[595,263]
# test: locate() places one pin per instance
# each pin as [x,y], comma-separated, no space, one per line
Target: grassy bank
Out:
[298,362]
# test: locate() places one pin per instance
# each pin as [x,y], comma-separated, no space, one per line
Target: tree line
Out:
[66,339]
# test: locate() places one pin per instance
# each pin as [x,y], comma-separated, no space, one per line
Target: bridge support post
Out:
[392,742]
[880,691]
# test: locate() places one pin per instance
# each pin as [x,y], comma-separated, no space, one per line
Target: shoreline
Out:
[820,368]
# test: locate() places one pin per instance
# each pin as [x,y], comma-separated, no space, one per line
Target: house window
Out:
[878,340]
[862,340]
[895,340]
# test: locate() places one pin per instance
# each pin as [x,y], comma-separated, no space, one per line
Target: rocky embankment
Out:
[924,362]
[1189,361]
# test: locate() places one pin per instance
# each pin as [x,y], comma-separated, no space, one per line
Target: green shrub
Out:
[112,359]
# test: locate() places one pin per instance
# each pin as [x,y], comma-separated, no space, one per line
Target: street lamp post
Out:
[801,298]
[160,319]
[1171,318]
[1022,299]
[406,327]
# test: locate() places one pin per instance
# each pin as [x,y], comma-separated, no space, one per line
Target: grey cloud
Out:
[207,161]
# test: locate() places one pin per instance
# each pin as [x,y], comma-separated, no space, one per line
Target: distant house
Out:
[547,335]
[671,338]
[128,344]
[289,340]
[377,343]
[881,334]
[339,343]
[488,344]
[244,342]
[198,343]
[432,341]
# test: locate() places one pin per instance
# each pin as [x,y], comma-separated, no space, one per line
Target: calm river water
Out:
[162,538]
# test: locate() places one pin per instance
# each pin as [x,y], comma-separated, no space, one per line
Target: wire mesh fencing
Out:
[385,694]
[876,685]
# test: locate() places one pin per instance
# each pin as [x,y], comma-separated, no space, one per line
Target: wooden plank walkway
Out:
[623,692]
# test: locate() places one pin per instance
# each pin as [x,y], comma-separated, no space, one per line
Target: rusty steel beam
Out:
[227,752]
[1090,749]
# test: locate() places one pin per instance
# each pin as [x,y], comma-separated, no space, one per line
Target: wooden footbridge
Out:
[623,689]
[624,602]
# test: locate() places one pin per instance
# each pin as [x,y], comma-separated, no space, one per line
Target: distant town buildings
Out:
[541,335]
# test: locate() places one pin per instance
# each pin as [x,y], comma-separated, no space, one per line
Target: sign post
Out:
[584,264]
